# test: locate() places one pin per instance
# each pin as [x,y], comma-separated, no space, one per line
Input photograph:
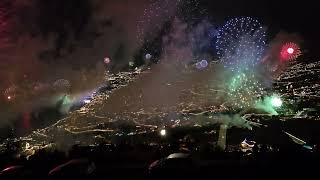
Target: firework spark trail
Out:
[240,46]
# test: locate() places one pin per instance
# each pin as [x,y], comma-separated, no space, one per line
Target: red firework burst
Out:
[289,51]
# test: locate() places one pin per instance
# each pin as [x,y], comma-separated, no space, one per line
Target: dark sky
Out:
[286,15]
[77,19]
[290,16]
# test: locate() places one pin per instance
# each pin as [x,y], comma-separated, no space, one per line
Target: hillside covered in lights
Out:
[197,103]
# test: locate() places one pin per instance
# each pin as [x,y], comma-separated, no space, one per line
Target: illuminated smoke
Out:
[154,17]
[62,85]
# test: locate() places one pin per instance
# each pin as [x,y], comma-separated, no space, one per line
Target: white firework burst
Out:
[241,43]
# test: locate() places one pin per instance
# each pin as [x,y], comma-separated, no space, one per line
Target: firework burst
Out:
[244,89]
[241,43]
[289,51]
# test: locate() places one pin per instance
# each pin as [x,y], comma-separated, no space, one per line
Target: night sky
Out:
[47,39]
[291,16]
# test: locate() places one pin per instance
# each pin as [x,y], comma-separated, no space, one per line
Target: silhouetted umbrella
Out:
[75,167]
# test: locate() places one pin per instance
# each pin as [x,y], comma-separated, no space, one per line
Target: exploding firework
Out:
[289,51]
[106,60]
[240,46]
[241,43]
[244,89]
[276,101]
[269,104]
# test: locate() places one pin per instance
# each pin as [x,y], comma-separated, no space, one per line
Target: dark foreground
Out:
[127,161]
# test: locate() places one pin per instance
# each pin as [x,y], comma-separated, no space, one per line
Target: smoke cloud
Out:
[234,121]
